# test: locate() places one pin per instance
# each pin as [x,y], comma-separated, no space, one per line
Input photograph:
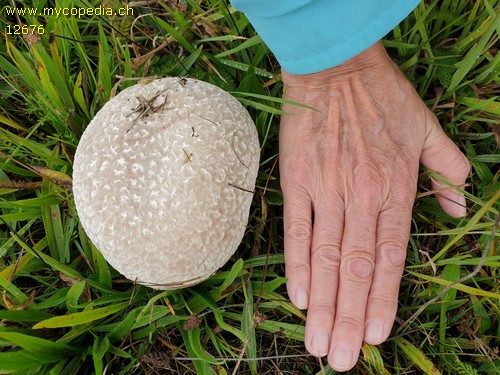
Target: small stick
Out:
[234,150]
[146,107]
[247,359]
[240,188]
[204,118]
[189,157]
[232,139]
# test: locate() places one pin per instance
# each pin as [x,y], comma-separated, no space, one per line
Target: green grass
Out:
[65,311]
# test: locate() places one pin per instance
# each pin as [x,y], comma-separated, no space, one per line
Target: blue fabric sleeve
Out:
[308,36]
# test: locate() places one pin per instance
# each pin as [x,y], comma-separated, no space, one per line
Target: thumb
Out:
[441,155]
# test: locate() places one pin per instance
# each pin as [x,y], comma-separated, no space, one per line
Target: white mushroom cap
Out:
[163,188]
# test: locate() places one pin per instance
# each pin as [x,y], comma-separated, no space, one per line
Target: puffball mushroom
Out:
[163,180]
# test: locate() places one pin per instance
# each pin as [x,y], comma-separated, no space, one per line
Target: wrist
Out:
[372,58]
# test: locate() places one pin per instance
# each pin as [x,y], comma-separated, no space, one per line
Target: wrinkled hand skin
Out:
[348,175]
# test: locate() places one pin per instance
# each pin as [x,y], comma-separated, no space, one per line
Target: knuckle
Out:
[326,256]
[405,181]
[296,171]
[350,322]
[367,182]
[403,195]
[322,308]
[383,297]
[359,266]
[390,241]
[392,252]
[298,231]
[394,256]
[330,192]
[295,269]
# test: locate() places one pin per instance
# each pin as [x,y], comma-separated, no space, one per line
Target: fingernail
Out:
[342,357]
[461,206]
[320,343]
[374,332]
[301,299]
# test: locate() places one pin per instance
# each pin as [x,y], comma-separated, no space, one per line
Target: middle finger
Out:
[355,277]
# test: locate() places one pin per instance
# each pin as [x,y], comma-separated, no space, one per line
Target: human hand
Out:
[348,175]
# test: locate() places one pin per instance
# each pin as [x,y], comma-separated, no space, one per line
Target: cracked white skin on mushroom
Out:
[163,188]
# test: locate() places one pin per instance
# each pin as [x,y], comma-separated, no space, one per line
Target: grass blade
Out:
[417,357]
[50,350]
[83,317]
[474,56]
[20,360]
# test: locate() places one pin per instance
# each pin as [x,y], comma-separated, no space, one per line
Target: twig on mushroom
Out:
[232,140]
[234,150]
[146,107]
[240,188]
[204,118]
[189,157]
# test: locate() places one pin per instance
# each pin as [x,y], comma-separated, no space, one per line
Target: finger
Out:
[442,156]
[356,269]
[297,242]
[325,263]
[393,231]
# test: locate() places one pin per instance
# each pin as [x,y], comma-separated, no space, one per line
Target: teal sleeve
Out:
[308,36]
